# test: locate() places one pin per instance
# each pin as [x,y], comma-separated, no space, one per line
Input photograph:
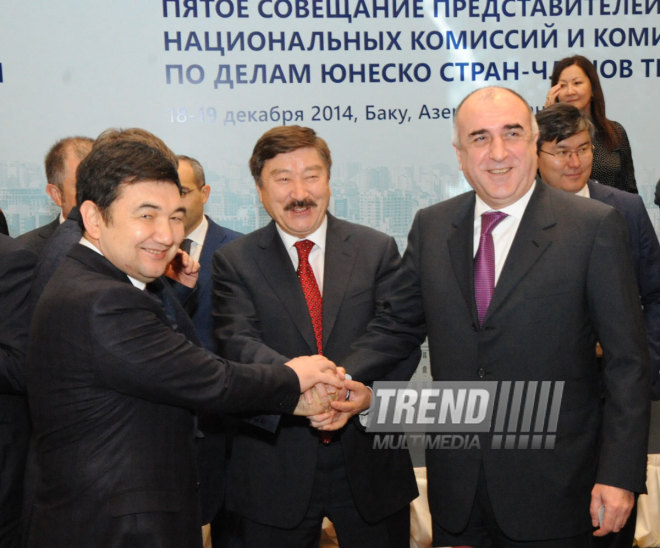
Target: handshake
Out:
[329,397]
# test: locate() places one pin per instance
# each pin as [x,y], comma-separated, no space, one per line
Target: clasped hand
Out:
[333,406]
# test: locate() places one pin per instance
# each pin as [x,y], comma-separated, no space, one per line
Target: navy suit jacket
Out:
[566,282]
[646,261]
[35,240]
[199,302]
[112,387]
[16,265]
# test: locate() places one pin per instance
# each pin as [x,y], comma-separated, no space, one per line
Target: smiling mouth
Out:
[155,252]
[499,171]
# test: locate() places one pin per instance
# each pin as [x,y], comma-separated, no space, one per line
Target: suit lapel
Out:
[340,256]
[275,265]
[530,243]
[460,244]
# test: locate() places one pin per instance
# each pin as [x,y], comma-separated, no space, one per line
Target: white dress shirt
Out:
[198,236]
[316,255]
[505,231]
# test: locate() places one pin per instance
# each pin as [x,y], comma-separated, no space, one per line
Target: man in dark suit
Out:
[16,266]
[203,237]
[565,159]
[565,156]
[283,482]
[61,163]
[112,378]
[562,279]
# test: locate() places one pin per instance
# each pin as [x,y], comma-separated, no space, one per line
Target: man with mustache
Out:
[307,283]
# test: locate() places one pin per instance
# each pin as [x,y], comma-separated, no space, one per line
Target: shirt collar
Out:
[318,236]
[137,283]
[584,192]
[515,210]
[199,234]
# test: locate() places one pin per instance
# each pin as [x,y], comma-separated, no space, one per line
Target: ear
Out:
[259,188]
[92,219]
[54,193]
[205,190]
[458,157]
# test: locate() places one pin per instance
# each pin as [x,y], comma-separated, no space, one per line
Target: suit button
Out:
[481,372]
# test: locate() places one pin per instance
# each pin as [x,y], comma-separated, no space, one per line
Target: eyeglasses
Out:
[564,155]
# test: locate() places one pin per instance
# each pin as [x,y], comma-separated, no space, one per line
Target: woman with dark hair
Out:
[4,229]
[575,81]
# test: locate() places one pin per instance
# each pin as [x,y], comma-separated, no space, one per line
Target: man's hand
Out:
[343,409]
[617,503]
[313,370]
[183,269]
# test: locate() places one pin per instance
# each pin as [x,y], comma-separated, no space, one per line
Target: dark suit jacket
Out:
[16,265]
[35,240]
[567,281]
[112,390]
[646,261]
[65,236]
[260,313]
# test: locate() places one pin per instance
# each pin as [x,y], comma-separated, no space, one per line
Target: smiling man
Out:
[308,283]
[523,301]
[113,374]
[565,155]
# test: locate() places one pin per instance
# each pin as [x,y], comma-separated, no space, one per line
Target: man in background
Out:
[61,163]
[203,238]
[565,157]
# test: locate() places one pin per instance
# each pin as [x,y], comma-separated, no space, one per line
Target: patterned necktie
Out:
[314,304]
[186,245]
[484,263]
[310,290]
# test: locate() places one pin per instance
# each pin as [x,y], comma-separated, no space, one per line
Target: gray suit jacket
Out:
[261,314]
[566,283]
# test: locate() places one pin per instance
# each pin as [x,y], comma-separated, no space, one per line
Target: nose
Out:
[497,150]
[165,233]
[573,159]
[298,189]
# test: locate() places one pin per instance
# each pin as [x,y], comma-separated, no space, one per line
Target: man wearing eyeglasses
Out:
[565,157]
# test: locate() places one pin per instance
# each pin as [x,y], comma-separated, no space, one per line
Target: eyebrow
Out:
[147,205]
[316,167]
[484,131]
[586,142]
